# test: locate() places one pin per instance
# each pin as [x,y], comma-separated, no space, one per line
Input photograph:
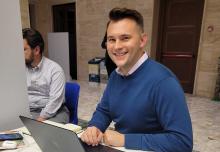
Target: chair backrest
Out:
[71,100]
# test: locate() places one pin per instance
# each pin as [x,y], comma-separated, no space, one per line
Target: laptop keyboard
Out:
[99,148]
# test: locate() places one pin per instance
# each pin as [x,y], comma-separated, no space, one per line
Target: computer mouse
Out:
[8,144]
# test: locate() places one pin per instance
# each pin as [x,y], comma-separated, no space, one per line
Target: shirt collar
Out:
[143,58]
[39,66]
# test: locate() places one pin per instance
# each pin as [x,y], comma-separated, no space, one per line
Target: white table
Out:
[31,146]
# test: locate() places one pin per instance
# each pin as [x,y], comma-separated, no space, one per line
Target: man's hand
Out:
[40,119]
[92,136]
[114,138]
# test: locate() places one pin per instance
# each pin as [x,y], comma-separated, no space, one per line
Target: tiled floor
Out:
[205,115]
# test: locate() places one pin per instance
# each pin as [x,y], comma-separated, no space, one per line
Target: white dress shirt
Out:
[143,58]
[46,87]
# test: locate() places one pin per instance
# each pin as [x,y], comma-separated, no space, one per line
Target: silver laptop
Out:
[55,139]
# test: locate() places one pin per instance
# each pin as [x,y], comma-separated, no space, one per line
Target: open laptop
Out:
[55,139]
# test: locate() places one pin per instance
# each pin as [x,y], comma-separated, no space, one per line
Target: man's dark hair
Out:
[33,38]
[117,14]
[103,44]
[104,40]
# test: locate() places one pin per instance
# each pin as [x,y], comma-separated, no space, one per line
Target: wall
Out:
[91,23]
[208,53]
[24,13]
[155,27]
[44,17]
[209,50]
[92,17]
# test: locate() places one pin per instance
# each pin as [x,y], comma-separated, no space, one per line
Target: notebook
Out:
[68,126]
[51,138]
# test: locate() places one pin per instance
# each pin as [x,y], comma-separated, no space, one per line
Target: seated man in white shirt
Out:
[45,81]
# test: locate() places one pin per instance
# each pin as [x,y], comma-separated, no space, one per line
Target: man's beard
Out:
[29,62]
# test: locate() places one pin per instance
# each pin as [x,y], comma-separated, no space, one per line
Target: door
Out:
[64,20]
[179,34]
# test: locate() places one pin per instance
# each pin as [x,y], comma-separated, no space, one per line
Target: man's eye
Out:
[110,40]
[125,38]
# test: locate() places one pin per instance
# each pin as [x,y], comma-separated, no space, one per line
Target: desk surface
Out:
[31,146]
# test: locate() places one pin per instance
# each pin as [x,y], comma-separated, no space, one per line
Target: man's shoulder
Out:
[50,64]
[156,67]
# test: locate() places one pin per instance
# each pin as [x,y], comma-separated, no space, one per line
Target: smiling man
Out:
[142,97]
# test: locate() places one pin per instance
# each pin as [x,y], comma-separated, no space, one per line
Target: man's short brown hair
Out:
[117,14]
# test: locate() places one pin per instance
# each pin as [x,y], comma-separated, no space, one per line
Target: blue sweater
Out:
[149,107]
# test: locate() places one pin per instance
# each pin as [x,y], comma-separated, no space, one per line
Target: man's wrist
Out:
[41,118]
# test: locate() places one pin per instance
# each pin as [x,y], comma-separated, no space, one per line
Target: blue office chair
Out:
[71,100]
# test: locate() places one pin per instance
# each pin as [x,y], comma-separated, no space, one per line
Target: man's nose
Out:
[118,44]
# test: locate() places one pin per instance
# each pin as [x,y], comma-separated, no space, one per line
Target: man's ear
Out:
[143,40]
[37,50]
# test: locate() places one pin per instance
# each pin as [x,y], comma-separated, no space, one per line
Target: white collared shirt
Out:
[143,58]
[46,87]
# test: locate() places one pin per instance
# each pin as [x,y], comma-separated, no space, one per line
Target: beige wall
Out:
[91,18]
[209,50]
[44,17]
[25,21]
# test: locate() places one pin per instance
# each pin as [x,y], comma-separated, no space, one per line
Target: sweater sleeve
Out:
[101,117]
[173,115]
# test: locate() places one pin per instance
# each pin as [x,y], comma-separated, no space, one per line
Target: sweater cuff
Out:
[133,141]
[97,125]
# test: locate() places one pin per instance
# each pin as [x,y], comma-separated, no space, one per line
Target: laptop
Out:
[55,139]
